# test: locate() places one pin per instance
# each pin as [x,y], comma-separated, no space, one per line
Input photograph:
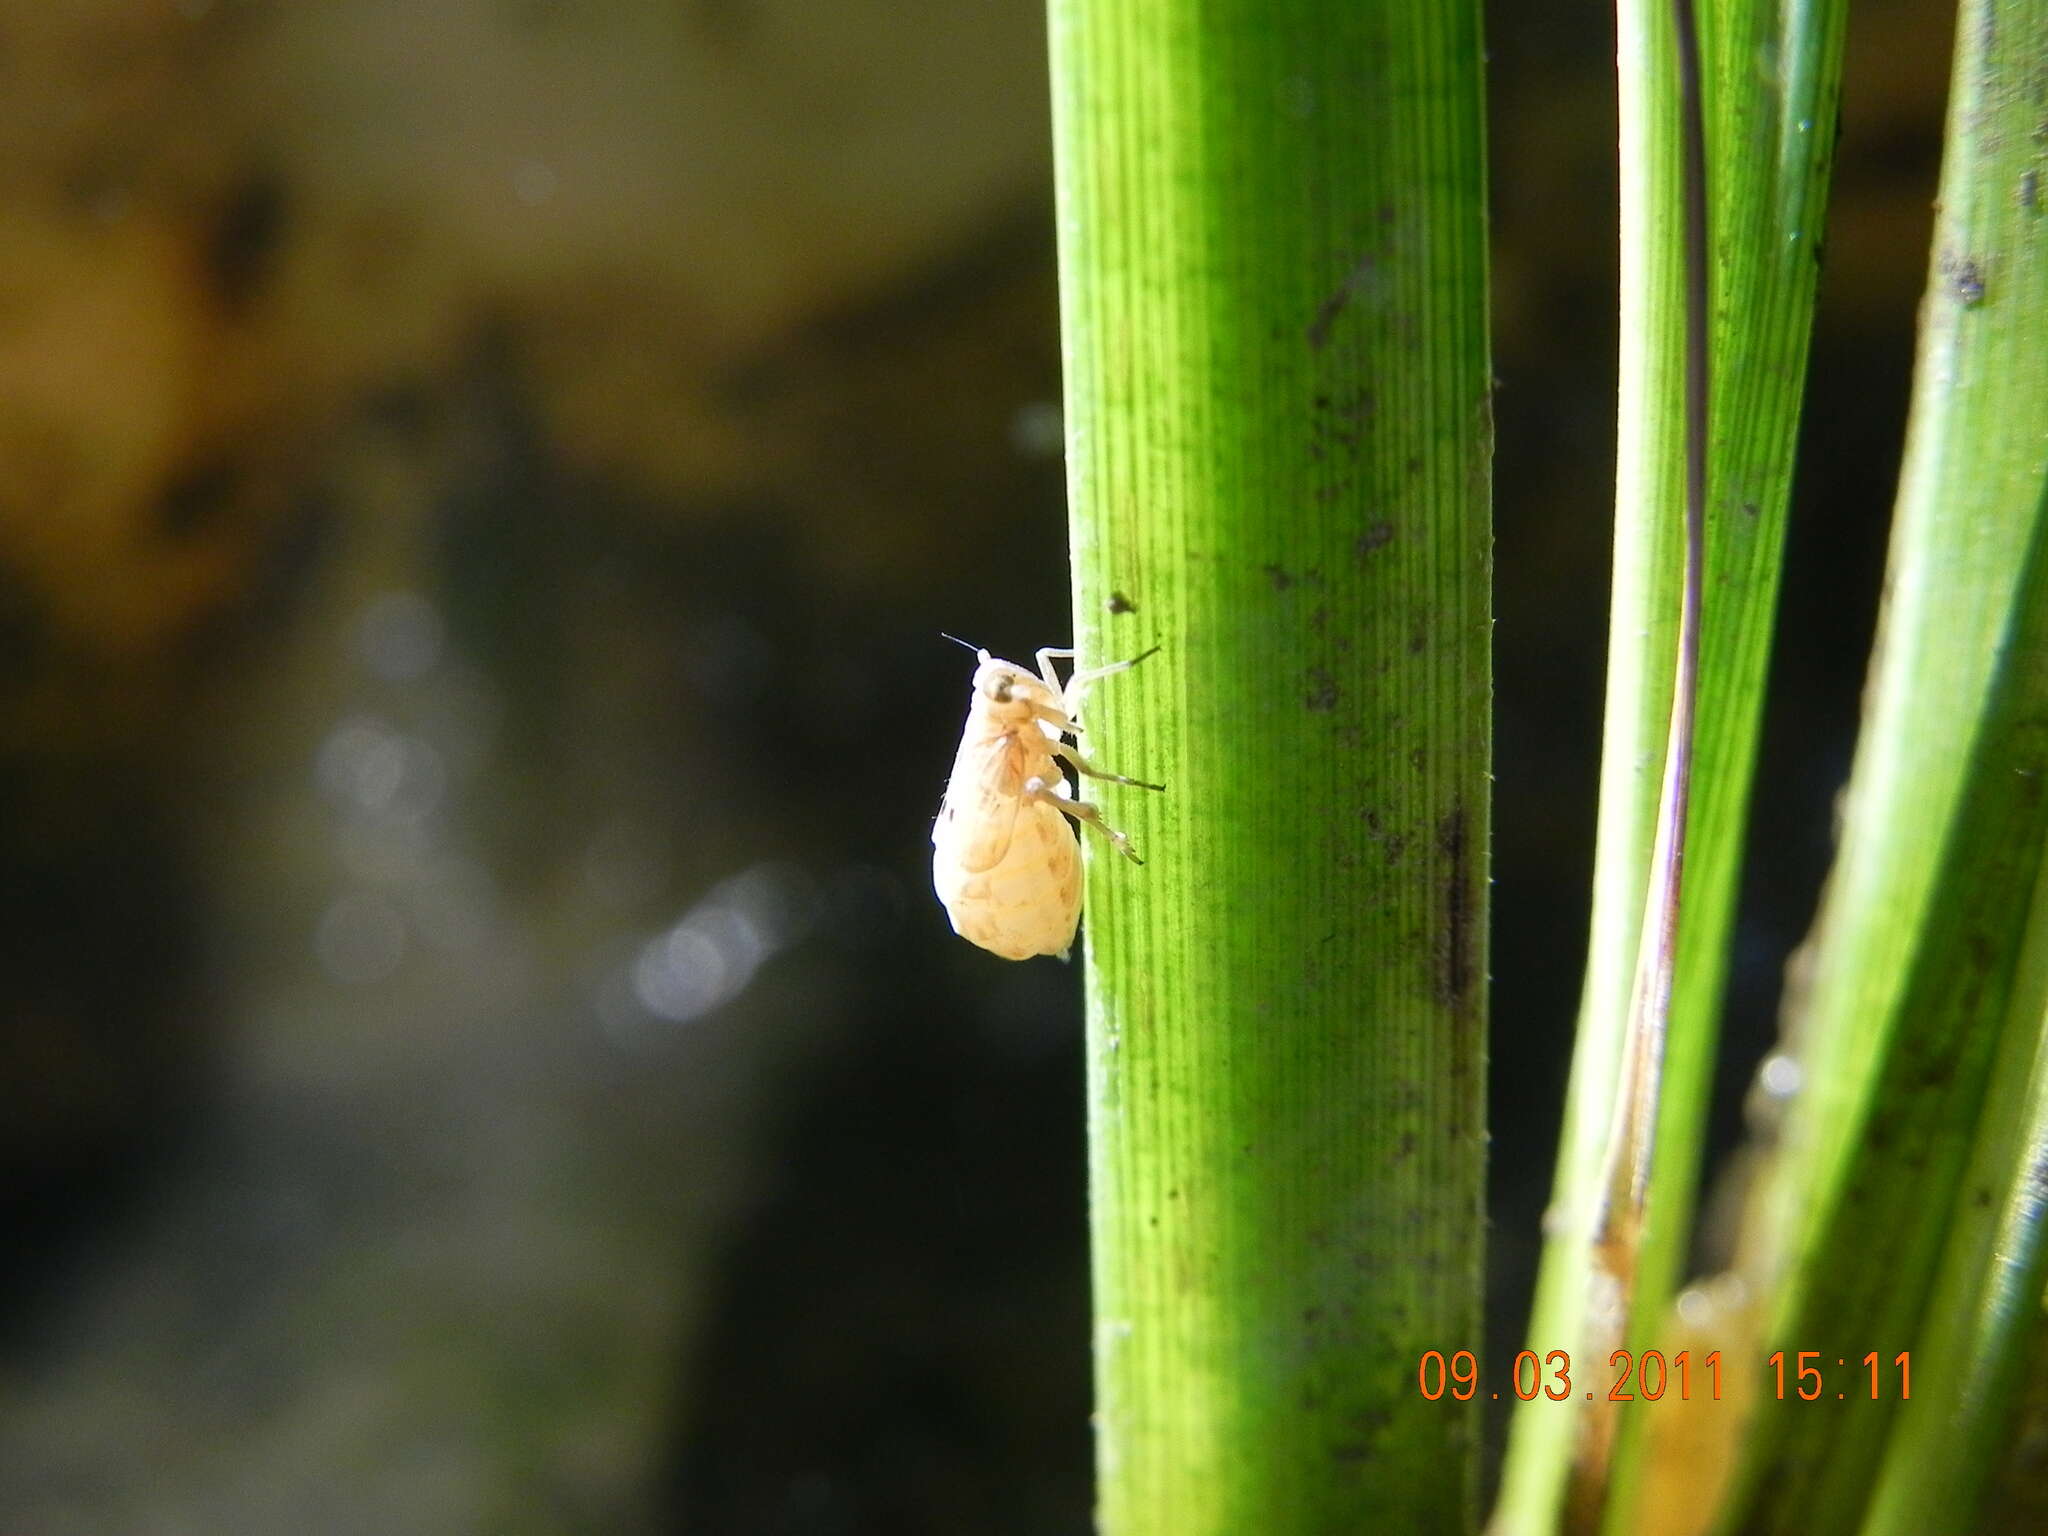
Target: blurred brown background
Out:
[480,484]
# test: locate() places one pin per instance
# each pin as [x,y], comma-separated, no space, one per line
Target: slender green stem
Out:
[1273,296]
[1632,1138]
[1766,149]
[1631,1142]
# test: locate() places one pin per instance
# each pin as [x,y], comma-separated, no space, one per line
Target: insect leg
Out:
[1081,810]
[1080,764]
[1115,666]
[1078,684]
[1046,653]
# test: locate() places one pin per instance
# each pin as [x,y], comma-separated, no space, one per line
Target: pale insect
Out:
[1004,862]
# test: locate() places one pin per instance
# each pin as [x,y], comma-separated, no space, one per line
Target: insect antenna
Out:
[964,644]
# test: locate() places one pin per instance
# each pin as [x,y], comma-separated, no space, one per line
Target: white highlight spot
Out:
[681,975]
[1781,1076]
[708,956]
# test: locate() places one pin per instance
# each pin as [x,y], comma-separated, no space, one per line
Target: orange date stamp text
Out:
[1805,1375]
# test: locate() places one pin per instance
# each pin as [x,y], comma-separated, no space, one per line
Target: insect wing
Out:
[981,806]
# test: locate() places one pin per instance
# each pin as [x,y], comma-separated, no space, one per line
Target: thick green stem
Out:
[1274,311]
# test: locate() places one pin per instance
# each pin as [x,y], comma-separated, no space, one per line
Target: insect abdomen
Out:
[1029,902]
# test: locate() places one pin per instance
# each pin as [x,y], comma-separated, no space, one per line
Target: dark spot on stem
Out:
[1326,316]
[2030,191]
[1118,603]
[1322,691]
[1280,579]
[1378,536]
[1327,312]
[1965,279]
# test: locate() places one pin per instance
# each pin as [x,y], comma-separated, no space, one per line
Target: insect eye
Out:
[1001,692]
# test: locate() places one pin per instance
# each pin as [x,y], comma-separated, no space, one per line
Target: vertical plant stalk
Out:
[1273,296]
[1632,1137]
[1921,951]
[1764,131]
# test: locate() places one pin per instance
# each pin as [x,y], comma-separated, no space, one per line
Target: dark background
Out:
[479,487]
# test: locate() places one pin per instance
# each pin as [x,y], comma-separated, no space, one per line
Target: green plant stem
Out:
[1767,145]
[1921,946]
[1273,287]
